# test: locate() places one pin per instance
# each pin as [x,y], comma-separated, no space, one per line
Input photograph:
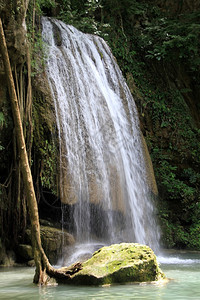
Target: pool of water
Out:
[182,268]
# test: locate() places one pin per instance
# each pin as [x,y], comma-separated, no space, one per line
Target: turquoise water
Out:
[183,269]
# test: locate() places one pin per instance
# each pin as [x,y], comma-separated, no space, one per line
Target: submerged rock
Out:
[119,263]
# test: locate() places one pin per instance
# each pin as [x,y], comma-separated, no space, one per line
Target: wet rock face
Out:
[16,42]
[119,263]
[53,240]
[13,19]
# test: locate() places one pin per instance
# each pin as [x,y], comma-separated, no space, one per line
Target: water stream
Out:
[182,268]
[102,170]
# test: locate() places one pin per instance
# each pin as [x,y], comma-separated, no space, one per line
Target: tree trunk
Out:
[43,267]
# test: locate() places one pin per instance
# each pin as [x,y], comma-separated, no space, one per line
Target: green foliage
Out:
[45,150]
[44,4]
[48,169]
[177,235]
[37,46]
[173,138]
[122,51]
[126,9]
[37,54]
[194,236]
[83,16]
[2,120]
[174,187]
[173,38]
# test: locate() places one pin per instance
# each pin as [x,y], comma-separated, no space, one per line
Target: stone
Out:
[53,241]
[119,263]
[7,259]
[25,252]
[31,263]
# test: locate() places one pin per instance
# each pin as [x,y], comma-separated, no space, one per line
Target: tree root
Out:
[61,275]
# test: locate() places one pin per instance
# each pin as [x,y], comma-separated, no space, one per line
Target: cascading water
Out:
[103,174]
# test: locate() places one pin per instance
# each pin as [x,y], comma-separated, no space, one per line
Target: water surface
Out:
[183,268]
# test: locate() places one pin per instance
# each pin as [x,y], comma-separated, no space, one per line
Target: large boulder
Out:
[119,263]
[53,241]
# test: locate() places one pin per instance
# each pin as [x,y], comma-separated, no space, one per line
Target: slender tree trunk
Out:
[26,172]
[43,268]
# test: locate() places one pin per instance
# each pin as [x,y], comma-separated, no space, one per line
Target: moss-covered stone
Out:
[119,263]
[53,241]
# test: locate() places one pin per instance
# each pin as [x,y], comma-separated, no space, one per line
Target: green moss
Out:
[119,263]
[45,141]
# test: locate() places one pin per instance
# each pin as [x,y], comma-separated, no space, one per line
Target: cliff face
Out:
[167,91]
[157,47]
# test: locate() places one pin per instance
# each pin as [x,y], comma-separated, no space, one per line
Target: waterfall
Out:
[103,176]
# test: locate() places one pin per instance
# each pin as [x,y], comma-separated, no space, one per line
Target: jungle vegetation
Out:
[157,46]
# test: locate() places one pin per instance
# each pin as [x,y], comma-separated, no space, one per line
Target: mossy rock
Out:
[119,263]
[53,241]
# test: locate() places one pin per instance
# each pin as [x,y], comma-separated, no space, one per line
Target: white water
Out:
[177,260]
[103,174]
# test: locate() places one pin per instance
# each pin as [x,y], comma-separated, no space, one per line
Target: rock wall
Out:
[54,241]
